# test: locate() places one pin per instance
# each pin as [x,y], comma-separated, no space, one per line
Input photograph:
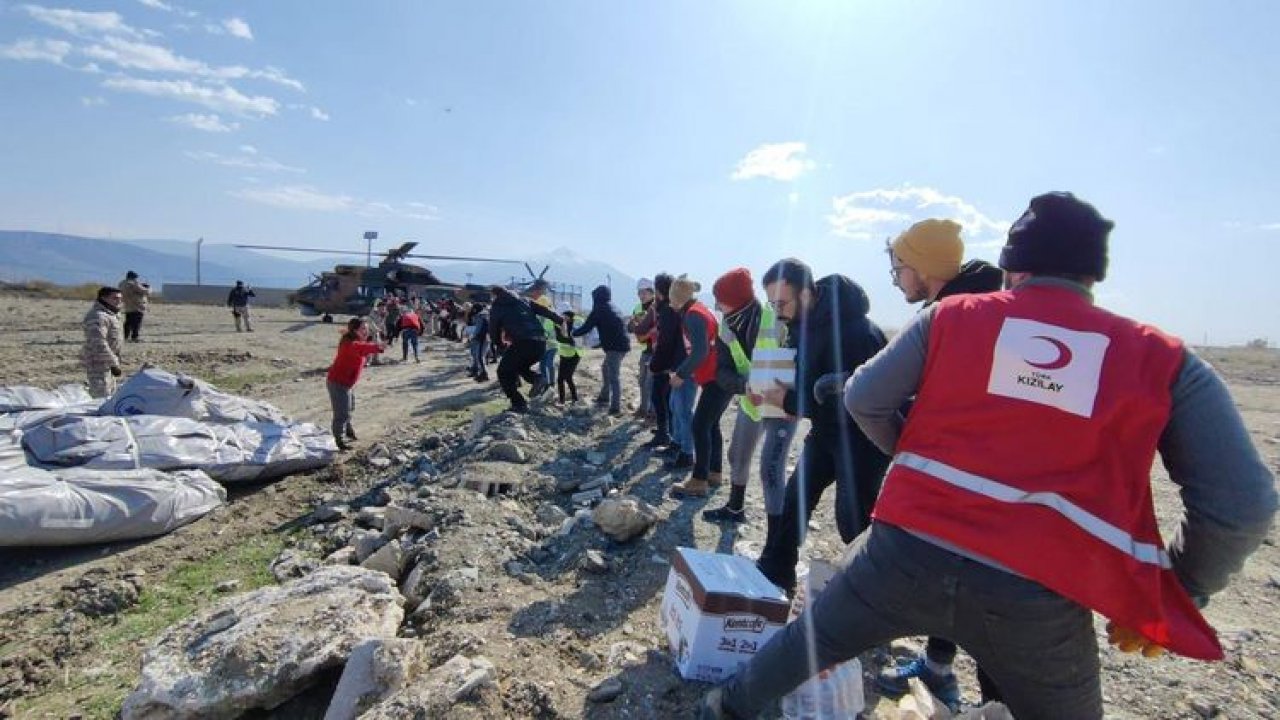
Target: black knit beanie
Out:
[662,284]
[1058,234]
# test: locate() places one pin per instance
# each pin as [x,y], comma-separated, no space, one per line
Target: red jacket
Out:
[349,361]
[411,320]
[1031,444]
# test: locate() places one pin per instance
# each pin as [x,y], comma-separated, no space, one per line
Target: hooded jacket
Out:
[517,318]
[668,348]
[835,335]
[976,276]
[605,318]
[745,325]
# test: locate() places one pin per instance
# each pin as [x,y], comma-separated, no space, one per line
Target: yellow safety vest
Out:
[765,339]
[569,349]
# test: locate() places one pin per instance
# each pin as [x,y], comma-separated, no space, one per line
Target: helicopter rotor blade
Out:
[460,257]
[295,249]
[545,268]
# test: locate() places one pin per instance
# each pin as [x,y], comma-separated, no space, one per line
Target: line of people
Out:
[992,469]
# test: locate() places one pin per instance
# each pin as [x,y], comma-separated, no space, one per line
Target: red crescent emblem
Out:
[1063,359]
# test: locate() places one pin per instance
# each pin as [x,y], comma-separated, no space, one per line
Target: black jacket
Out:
[668,351]
[976,276]
[239,296]
[516,317]
[834,336]
[605,318]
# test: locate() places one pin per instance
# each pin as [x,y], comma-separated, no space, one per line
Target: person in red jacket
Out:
[410,329]
[343,375]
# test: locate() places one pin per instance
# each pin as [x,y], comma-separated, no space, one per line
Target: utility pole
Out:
[369,237]
[199,242]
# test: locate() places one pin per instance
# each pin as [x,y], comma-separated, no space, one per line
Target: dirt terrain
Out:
[73,622]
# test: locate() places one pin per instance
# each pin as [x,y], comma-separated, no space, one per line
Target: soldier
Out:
[137,296]
[101,354]
[238,301]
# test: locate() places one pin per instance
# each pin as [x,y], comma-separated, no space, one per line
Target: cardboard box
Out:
[718,611]
[768,367]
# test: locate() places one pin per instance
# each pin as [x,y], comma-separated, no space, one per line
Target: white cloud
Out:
[319,114]
[238,28]
[80,23]
[297,197]
[149,57]
[779,161]
[157,5]
[219,99]
[93,101]
[41,49]
[306,197]
[1270,226]
[877,214]
[248,150]
[207,123]
[246,161]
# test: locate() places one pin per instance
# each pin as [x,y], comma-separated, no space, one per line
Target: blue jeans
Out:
[548,365]
[1038,647]
[611,380]
[777,434]
[408,339]
[478,349]
[681,399]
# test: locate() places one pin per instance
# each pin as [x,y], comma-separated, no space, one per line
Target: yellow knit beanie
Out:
[682,290]
[931,247]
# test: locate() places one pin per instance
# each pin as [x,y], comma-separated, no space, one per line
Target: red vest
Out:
[706,370]
[1031,443]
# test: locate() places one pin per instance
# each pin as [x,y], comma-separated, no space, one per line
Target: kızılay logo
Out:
[753,624]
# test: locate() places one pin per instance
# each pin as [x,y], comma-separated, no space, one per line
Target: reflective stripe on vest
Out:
[742,363]
[1083,519]
[548,329]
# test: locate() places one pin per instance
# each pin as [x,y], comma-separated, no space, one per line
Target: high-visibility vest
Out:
[764,339]
[570,349]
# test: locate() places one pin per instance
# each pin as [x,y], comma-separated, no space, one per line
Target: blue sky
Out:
[685,136]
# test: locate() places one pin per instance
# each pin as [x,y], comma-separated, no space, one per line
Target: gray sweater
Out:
[1229,494]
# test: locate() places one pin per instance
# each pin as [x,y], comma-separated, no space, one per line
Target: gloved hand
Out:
[116,371]
[829,386]
[1128,640]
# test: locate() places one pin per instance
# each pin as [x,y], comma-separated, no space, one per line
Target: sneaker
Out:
[482,378]
[725,514]
[893,682]
[343,447]
[658,441]
[693,487]
[519,409]
[714,479]
[351,434]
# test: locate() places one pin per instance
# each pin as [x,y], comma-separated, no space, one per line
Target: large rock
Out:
[258,649]
[506,451]
[624,517]
[434,693]
[388,559]
[376,669]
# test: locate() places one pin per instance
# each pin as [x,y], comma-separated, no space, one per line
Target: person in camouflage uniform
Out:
[137,296]
[102,339]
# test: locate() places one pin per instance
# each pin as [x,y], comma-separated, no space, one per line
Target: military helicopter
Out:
[353,290]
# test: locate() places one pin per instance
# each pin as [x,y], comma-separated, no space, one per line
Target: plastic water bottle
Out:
[833,693]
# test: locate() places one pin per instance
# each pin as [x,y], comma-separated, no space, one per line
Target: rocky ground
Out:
[517,600]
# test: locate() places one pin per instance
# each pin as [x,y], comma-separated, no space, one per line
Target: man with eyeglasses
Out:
[828,326]
[925,263]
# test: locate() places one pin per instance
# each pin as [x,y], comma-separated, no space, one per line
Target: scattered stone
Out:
[366,543]
[1204,708]
[376,669]
[416,586]
[388,559]
[341,556]
[292,564]
[624,517]
[258,649]
[607,691]
[398,519]
[550,514]
[567,484]
[506,451]
[371,517]
[596,457]
[98,597]
[380,463]
[330,513]
[587,497]
[481,674]
[226,586]
[601,483]
[594,562]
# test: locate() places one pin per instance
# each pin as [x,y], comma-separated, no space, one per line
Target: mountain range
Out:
[74,260]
